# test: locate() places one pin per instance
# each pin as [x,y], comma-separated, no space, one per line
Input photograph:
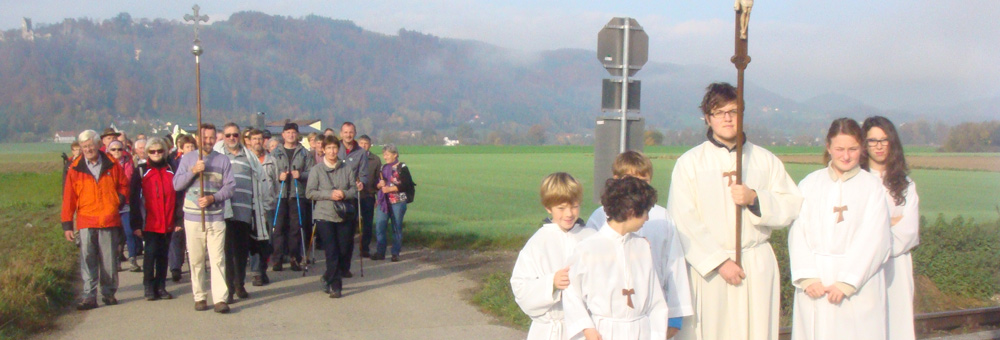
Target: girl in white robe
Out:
[837,246]
[614,292]
[886,161]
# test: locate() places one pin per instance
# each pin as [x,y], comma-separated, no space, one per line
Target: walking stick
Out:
[361,259]
[740,59]
[298,205]
[312,250]
[197,50]
[276,208]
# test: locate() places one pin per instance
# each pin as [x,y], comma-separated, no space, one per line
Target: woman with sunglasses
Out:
[154,190]
[885,159]
[117,151]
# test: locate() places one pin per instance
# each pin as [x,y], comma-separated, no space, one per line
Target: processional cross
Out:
[197,51]
[740,59]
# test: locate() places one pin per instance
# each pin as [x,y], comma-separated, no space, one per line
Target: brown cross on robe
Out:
[731,175]
[840,212]
[628,294]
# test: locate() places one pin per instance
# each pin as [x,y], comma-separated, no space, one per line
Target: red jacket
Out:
[156,191]
[94,202]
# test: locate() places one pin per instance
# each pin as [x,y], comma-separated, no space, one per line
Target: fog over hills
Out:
[85,74]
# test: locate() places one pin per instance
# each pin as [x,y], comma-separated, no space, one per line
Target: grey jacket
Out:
[302,160]
[322,181]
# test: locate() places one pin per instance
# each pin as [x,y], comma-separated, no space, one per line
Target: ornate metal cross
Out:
[197,19]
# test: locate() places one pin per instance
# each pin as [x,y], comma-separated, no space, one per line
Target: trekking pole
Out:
[298,205]
[278,207]
[312,249]
[361,259]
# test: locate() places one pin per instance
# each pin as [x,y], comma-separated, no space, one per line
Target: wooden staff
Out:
[740,59]
[197,51]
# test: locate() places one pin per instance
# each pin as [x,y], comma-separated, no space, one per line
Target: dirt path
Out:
[420,297]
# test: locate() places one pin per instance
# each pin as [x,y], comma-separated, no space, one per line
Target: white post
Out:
[625,71]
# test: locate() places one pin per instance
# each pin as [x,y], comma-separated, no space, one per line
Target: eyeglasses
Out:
[877,142]
[115,149]
[155,152]
[232,135]
[723,114]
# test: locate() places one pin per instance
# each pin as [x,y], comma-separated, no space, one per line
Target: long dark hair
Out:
[844,126]
[896,169]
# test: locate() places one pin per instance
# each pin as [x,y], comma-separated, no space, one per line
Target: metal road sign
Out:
[611,40]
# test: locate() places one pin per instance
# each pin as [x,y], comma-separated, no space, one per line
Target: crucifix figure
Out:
[628,294]
[840,212]
[731,175]
[197,19]
[743,7]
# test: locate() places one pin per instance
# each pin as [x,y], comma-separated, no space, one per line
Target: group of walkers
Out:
[226,201]
[637,270]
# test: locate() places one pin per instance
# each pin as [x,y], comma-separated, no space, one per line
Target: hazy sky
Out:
[888,53]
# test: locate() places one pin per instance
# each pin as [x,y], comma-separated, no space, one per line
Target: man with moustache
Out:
[267,179]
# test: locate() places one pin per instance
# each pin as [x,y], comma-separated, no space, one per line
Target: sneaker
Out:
[277,267]
[87,304]
[257,281]
[335,294]
[134,265]
[395,258]
[222,308]
[294,266]
[201,305]
[150,294]
[109,300]
[242,293]
[175,275]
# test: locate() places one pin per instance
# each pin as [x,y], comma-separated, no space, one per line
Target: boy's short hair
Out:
[627,197]
[76,144]
[185,139]
[559,188]
[632,163]
[717,95]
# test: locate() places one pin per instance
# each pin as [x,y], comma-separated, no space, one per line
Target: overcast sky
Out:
[887,53]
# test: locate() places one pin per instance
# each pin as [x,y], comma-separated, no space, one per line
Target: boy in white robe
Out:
[837,246]
[614,292]
[541,271]
[668,256]
[730,301]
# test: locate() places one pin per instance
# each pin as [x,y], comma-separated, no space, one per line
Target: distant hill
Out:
[85,74]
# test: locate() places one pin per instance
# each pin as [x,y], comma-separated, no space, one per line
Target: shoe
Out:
[378,257]
[134,265]
[346,274]
[150,294]
[162,292]
[294,266]
[175,275]
[366,254]
[201,305]
[229,300]
[257,281]
[265,278]
[222,308]
[335,294]
[277,267]
[395,258]
[327,288]
[242,293]
[87,304]
[109,300]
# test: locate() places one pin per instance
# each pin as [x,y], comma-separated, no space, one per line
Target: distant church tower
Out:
[26,32]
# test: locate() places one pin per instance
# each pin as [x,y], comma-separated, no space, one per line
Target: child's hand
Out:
[561,279]
[591,334]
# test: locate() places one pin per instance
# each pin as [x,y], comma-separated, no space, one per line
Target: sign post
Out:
[622,47]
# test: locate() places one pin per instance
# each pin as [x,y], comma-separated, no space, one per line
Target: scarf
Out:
[383,198]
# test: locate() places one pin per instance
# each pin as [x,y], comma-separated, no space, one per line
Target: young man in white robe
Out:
[730,301]
[541,272]
[838,244]
[886,161]
[668,256]
[614,292]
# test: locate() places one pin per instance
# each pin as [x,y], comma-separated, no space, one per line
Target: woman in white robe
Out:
[838,244]
[886,161]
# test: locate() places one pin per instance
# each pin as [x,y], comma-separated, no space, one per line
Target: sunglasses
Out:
[116,149]
[232,135]
[155,152]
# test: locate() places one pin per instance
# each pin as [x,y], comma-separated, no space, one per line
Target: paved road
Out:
[410,299]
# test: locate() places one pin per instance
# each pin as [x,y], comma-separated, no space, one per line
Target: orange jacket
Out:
[95,202]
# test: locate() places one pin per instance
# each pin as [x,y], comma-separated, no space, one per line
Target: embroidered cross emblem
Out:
[628,294]
[840,212]
[731,175]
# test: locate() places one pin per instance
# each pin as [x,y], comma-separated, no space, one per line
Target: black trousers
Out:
[367,221]
[337,239]
[154,264]
[287,237]
[237,253]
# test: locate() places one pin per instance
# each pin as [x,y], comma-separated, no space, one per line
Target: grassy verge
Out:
[37,266]
[497,299]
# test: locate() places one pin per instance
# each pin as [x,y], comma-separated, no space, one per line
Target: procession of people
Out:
[223,203]
[706,269]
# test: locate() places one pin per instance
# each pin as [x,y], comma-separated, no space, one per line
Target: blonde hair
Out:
[559,188]
[632,163]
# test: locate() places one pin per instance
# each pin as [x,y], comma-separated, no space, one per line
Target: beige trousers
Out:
[208,244]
